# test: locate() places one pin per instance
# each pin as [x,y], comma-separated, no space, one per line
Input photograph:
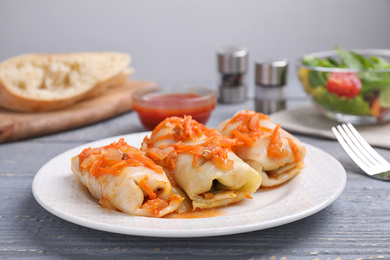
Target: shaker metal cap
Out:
[272,72]
[232,59]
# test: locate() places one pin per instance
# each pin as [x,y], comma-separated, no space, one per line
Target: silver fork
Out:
[361,152]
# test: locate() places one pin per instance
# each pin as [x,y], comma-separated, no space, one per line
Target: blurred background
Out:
[173,42]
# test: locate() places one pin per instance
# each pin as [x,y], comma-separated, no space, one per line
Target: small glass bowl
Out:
[370,105]
[154,104]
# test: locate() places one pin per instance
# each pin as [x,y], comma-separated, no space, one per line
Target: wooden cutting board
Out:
[115,101]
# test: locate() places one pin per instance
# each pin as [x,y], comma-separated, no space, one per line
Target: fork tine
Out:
[348,150]
[366,156]
[367,147]
[359,150]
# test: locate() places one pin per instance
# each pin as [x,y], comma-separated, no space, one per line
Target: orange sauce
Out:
[206,213]
[271,187]
[169,105]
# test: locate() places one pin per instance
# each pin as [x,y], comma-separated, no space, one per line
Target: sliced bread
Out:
[44,82]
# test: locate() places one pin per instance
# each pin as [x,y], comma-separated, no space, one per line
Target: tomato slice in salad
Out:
[344,84]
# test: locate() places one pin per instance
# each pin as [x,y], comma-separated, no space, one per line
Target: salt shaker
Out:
[270,78]
[232,66]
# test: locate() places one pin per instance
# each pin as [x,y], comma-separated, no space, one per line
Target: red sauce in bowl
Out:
[154,107]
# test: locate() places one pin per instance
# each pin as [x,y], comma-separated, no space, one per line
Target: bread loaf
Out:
[44,82]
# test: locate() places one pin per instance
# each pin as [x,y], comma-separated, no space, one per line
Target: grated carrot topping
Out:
[275,148]
[210,144]
[100,163]
[103,171]
[265,129]
[242,137]
[294,149]
[83,155]
[249,127]
[96,164]
[248,196]
[155,205]
[145,186]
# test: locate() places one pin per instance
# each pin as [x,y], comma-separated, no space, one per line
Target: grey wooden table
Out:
[355,226]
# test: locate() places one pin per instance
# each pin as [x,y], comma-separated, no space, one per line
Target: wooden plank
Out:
[115,101]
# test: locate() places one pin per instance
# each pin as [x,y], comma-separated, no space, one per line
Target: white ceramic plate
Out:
[317,186]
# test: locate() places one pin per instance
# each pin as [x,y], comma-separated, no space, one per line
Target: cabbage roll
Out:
[273,152]
[200,161]
[122,178]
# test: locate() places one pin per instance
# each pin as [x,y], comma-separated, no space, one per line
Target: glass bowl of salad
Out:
[348,85]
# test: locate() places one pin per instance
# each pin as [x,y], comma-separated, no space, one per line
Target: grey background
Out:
[173,42]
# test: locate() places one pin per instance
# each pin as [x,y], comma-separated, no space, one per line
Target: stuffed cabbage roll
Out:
[122,178]
[273,152]
[200,161]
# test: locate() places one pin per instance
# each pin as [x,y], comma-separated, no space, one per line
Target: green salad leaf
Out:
[354,106]
[384,97]
[317,78]
[374,80]
[317,62]
[379,63]
[352,60]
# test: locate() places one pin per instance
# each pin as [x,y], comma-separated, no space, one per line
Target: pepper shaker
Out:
[270,79]
[232,66]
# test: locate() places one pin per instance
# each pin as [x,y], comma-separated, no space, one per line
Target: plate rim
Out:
[201,232]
